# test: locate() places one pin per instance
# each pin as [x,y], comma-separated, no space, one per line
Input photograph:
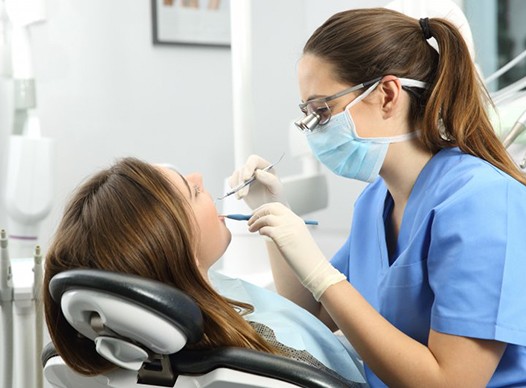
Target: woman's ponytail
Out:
[455,113]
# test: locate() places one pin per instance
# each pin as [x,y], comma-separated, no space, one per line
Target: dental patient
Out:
[151,221]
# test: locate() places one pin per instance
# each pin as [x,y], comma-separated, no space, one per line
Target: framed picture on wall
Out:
[191,22]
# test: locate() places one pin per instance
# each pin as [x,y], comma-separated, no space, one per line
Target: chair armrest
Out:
[200,362]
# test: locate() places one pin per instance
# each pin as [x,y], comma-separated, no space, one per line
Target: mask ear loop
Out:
[352,126]
[395,139]
[363,95]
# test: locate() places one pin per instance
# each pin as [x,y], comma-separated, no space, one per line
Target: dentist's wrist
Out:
[322,277]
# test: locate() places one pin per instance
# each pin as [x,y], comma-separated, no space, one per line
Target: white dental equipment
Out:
[506,67]
[28,201]
[516,130]
[22,318]
[6,307]
[514,91]
[512,98]
[26,184]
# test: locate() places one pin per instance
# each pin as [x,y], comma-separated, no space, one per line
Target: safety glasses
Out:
[317,111]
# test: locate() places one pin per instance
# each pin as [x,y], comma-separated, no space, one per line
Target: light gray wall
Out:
[104,91]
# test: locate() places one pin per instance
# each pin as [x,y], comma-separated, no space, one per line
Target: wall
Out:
[104,91]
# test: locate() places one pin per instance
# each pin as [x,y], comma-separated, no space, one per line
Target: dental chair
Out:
[142,326]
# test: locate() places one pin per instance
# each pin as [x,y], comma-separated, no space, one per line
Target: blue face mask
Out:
[338,146]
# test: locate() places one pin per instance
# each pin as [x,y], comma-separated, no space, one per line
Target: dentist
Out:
[428,287]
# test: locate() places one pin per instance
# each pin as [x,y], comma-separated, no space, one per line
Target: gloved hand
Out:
[293,239]
[266,188]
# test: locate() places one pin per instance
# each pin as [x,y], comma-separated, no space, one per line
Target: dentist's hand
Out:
[293,239]
[266,188]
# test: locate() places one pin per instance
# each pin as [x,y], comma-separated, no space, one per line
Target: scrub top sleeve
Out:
[477,262]
[340,260]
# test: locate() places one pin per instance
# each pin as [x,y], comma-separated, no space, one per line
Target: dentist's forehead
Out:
[317,78]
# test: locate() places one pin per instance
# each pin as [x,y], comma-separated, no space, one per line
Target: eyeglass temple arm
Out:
[342,93]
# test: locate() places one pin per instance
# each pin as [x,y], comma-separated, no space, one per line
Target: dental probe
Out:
[249,180]
[246,217]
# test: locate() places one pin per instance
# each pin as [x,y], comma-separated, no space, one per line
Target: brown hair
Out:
[364,44]
[131,219]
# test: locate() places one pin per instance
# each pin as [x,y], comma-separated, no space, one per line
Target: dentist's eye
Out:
[323,110]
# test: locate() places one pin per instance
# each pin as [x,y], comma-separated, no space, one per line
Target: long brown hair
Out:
[363,44]
[131,219]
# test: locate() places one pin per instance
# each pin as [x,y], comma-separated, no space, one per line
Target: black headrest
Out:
[164,300]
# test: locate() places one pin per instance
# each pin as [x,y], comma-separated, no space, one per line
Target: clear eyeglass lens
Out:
[322,110]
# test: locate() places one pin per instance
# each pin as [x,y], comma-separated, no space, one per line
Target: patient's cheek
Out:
[214,240]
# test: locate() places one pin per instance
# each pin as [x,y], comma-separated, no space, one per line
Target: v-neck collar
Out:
[419,189]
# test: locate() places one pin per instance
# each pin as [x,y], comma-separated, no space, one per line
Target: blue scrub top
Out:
[460,261]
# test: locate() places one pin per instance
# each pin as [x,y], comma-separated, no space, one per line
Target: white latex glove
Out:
[293,239]
[266,188]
